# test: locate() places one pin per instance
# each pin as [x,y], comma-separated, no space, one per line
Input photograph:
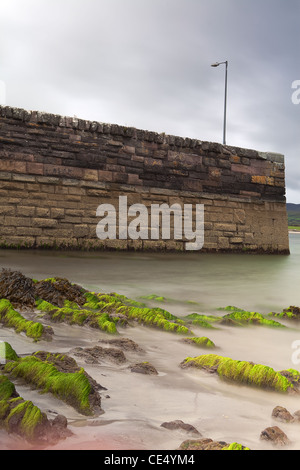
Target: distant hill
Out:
[293,212]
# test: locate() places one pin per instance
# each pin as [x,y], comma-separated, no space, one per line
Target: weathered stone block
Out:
[46,223]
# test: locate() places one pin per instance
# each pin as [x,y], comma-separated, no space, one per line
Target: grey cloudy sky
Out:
[146,63]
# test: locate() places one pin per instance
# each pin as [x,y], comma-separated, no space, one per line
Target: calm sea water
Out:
[192,282]
[255,282]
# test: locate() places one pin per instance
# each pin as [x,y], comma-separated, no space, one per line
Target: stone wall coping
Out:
[55,120]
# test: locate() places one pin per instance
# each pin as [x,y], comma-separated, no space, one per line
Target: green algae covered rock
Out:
[59,375]
[235,446]
[7,353]
[202,342]
[203,321]
[156,317]
[10,318]
[209,444]
[62,301]
[7,389]
[77,316]
[243,372]
[23,418]
[242,317]
[104,311]
[291,313]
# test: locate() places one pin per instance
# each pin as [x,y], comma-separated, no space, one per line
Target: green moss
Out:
[157,298]
[17,415]
[49,279]
[73,388]
[203,321]
[44,306]
[4,409]
[7,353]
[69,304]
[232,308]
[242,317]
[242,372]
[126,301]
[76,316]
[13,319]
[7,388]
[29,417]
[291,313]
[92,301]
[203,342]
[235,446]
[155,317]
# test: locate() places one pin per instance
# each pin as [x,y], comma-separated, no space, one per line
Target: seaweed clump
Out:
[23,291]
[58,290]
[243,372]
[17,288]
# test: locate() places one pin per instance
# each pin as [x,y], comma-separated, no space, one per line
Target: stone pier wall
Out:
[55,171]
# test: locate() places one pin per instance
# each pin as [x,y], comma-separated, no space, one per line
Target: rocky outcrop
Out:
[22,417]
[291,313]
[123,343]
[247,373]
[97,354]
[22,291]
[275,435]
[143,368]
[209,444]
[282,414]
[178,424]
[60,375]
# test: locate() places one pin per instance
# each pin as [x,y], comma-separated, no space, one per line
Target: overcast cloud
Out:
[146,63]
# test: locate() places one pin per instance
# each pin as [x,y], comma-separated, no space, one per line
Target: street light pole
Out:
[225,100]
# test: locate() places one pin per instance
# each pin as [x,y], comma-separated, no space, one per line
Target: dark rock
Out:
[178,424]
[295,311]
[144,368]
[124,343]
[297,415]
[45,432]
[275,435]
[60,421]
[282,414]
[294,379]
[202,444]
[97,354]
[66,364]
[59,428]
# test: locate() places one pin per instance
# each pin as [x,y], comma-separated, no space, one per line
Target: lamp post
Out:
[225,102]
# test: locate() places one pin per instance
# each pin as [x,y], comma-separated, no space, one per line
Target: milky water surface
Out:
[135,405]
